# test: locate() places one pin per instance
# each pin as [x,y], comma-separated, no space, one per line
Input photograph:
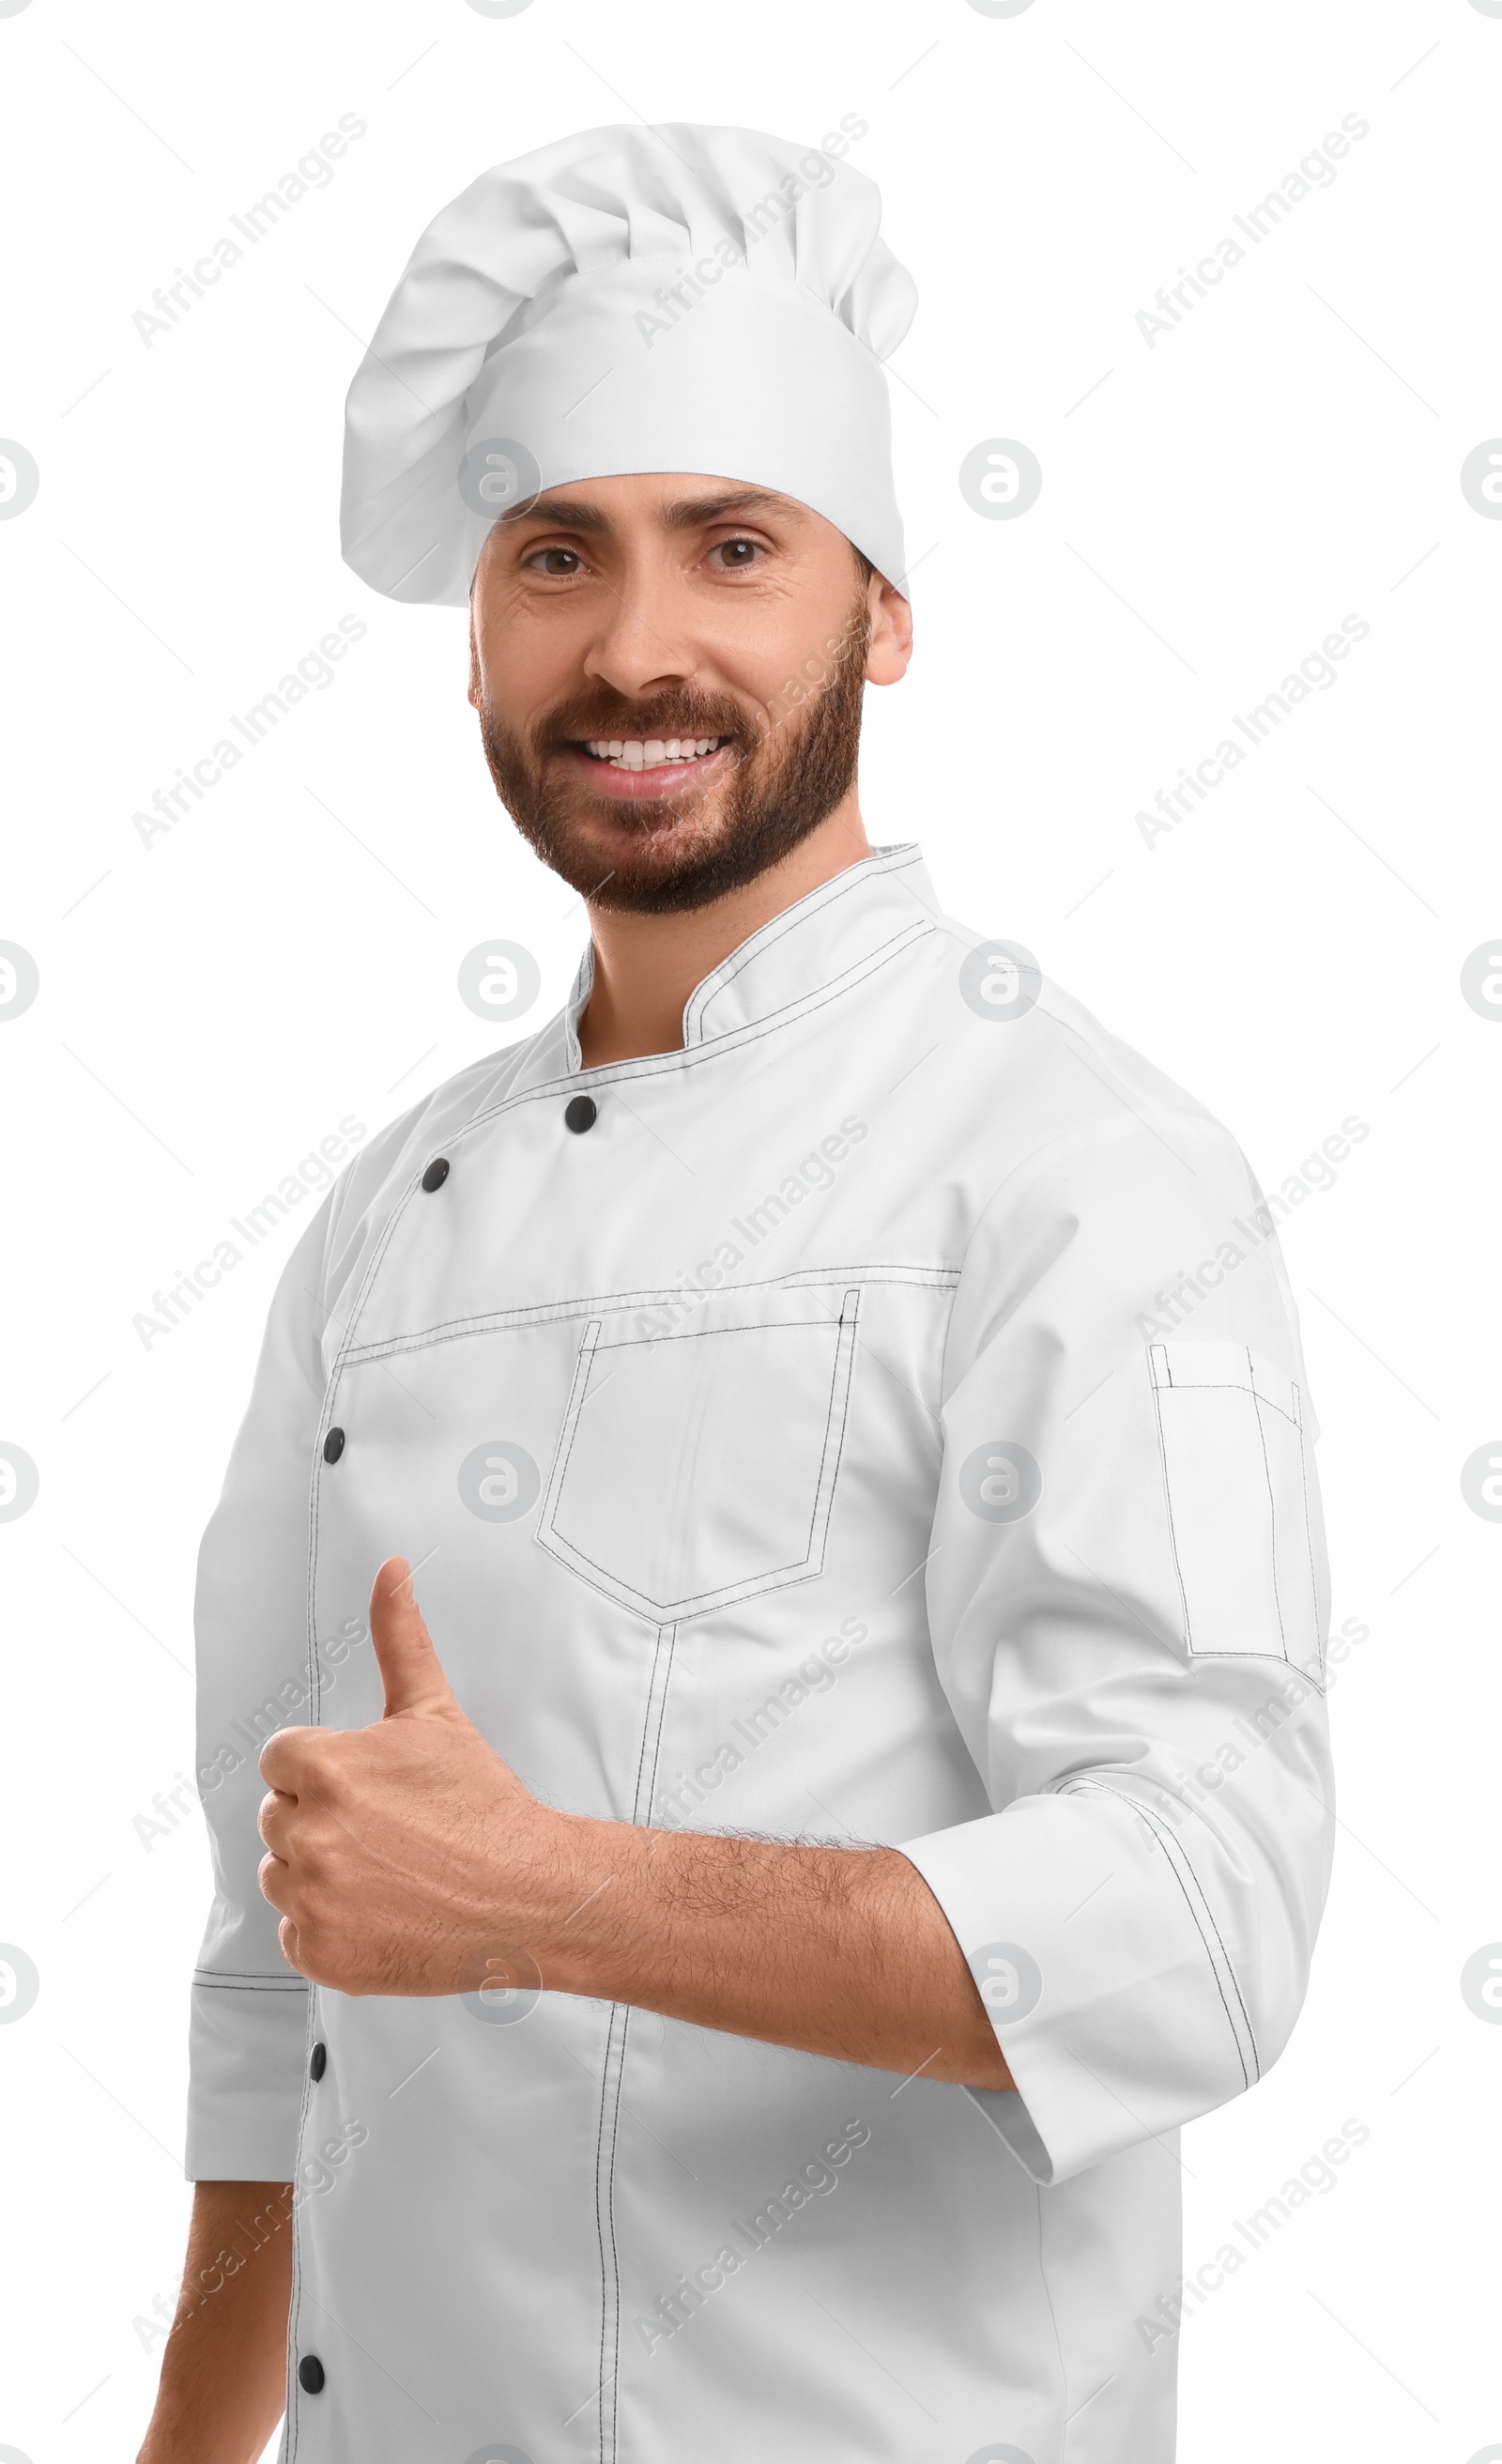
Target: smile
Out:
[650,753]
[634,768]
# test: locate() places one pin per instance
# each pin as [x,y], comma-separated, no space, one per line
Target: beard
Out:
[689,848]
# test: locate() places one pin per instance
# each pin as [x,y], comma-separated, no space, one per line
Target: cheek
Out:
[794,642]
[529,657]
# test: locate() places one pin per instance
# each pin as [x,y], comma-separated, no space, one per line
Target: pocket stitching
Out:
[574,1411]
[1267,1472]
[1173,1537]
[1294,1420]
[804,1568]
[1224,1385]
[793,1569]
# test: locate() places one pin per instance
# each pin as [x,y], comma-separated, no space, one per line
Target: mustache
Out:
[666,715]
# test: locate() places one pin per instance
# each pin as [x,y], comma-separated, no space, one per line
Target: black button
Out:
[436,1175]
[580,1112]
[334,1446]
[309,2374]
[318,2061]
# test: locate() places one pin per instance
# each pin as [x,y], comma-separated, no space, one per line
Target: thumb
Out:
[410,1669]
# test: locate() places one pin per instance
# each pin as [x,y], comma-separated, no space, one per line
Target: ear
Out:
[891,644]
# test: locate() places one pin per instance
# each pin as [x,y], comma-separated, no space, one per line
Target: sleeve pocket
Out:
[1232,1439]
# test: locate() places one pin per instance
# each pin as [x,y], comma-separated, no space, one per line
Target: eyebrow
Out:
[684,513]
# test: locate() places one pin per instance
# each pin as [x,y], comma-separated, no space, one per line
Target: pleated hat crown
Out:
[691,299]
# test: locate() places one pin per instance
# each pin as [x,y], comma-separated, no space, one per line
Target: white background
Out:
[213,1003]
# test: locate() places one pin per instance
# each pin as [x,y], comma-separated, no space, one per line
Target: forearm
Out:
[399,1853]
[224,2370]
[839,1951]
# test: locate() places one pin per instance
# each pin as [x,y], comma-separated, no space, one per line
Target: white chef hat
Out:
[628,299]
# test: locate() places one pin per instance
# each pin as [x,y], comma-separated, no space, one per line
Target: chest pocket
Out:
[697,1468]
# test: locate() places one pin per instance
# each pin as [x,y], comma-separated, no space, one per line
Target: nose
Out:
[644,643]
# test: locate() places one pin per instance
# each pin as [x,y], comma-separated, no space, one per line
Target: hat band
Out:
[660,366]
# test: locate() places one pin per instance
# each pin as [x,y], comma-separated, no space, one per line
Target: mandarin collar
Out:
[805,947]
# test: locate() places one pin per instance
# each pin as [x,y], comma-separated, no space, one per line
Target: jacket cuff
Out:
[249,2065]
[1102,1969]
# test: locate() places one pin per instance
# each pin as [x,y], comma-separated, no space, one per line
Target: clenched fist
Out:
[399,1852]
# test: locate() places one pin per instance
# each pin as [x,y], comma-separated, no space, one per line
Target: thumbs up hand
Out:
[395,1850]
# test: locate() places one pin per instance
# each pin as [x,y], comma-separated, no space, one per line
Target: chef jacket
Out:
[882,1420]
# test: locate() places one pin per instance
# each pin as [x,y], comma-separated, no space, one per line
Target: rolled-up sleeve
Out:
[1128,1596]
[248,2008]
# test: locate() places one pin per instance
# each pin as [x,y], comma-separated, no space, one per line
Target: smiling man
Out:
[728,1970]
[704,768]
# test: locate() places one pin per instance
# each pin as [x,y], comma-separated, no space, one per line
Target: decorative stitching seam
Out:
[647,1725]
[778,928]
[599,2214]
[729,969]
[1216,1651]
[1309,1535]
[610,2286]
[252,1975]
[573,1412]
[294,2306]
[1229,1386]
[1190,1884]
[662,1717]
[1173,1537]
[615,2256]
[698,1333]
[844,1353]
[1247,1385]
[553,1312]
[244,1985]
[1267,1473]
[615,1586]
[1059,2346]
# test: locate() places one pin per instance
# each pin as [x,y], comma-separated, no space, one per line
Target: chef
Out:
[762,1651]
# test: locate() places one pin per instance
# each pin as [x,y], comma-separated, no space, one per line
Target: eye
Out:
[739,554]
[557,563]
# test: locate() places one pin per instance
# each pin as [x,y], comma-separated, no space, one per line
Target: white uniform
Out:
[885,1422]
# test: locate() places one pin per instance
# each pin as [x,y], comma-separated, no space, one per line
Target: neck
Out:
[647,966]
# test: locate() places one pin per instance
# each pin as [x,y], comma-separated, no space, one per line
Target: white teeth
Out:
[636,753]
